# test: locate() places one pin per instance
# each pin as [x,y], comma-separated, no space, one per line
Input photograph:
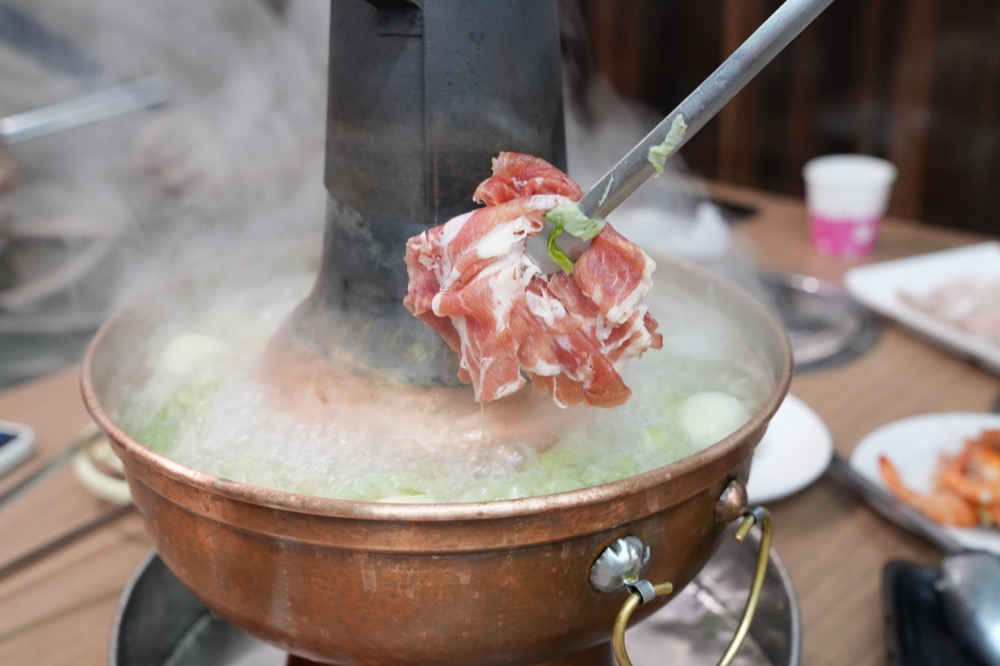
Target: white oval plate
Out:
[794,452]
[914,445]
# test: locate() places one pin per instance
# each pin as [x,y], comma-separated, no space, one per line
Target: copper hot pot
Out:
[349,582]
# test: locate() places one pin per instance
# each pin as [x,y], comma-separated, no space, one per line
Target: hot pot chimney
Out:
[422,94]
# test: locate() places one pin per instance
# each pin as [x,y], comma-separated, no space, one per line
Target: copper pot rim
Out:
[448,511]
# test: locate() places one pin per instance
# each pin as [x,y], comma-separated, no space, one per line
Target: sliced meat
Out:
[570,334]
[615,274]
[516,175]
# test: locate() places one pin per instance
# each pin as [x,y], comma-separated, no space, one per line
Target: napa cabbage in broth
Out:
[201,404]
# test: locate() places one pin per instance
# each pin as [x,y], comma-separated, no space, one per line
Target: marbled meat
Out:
[472,281]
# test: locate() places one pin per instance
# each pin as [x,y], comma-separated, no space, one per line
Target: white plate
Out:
[794,452]
[914,446]
[879,285]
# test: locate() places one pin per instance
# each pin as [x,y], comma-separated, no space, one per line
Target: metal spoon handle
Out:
[896,511]
[128,97]
[702,104]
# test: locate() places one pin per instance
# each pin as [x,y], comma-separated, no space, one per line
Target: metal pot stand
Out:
[826,327]
[160,623]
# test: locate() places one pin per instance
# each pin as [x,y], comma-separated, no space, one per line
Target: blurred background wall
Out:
[915,81]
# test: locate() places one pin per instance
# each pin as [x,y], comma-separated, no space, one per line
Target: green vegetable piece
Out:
[157,433]
[570,218]
[557,255]
[658,154]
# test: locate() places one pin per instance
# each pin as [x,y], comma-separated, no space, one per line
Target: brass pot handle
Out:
[642,591]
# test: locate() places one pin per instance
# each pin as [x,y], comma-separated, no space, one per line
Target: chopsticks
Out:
[123,503]
[100,520]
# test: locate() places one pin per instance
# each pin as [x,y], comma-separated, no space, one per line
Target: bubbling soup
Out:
[202,403]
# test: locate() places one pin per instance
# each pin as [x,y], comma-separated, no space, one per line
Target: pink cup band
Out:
[843,238]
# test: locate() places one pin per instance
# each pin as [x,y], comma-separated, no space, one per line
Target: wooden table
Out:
[60,610]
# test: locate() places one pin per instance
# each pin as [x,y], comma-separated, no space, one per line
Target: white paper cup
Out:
[847,196]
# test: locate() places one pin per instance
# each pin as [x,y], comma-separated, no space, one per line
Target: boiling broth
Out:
[202,404]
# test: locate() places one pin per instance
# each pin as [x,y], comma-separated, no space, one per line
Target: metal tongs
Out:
[647,158]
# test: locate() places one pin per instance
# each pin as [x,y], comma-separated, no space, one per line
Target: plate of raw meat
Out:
[951,298]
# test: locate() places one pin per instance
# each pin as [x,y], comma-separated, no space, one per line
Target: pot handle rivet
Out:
[620,565]
[640,594]
[732,502]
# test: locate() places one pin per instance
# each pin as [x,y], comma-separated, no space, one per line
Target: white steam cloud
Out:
[111,209]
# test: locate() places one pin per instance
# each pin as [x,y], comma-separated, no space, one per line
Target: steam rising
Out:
[108,211]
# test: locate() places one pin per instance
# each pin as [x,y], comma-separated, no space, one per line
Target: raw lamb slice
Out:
[472,282]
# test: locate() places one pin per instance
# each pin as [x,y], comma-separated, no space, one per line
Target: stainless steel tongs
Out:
[647,158]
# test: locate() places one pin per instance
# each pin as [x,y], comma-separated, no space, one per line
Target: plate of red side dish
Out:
[950,297]
[945,460]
